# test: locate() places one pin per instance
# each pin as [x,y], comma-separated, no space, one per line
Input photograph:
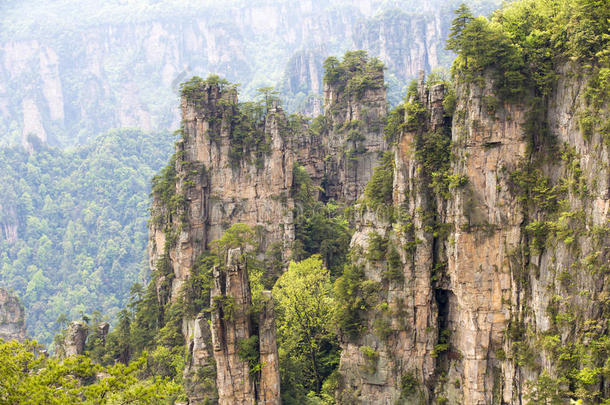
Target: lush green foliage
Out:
[524,42]
[355,295]
[308,347]
[80,219]
[152,324]
[319,228]
[355,73]
[196,88]
[380,187]
[28,377]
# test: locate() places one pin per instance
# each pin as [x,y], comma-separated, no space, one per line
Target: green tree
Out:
[305,330]
[28,377]
[269,96]
[456,38]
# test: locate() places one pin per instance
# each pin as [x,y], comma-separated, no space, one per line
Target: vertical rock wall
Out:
[402,325]
[504,273]
[486,218]
[354,138]
[269,389]
[214,190]
[231,307]
[217,180]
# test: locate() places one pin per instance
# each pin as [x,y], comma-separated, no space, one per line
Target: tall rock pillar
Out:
[231,305]
[269,390]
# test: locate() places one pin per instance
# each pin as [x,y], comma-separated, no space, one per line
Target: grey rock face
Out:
[480,295]
[12,317]
[74,339]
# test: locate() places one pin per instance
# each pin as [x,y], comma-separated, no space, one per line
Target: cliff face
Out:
[12,317]
[354,138]
[229,168]
[234,164]
[397,252]
[216,185]
[478,261]
[502,273]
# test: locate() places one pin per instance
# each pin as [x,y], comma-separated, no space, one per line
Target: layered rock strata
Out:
[502,270]
[234,165]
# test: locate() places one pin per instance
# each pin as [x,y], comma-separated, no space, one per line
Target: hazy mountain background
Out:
[74,197]
[71,69]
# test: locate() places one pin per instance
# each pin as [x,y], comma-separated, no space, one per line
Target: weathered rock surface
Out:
[463,296]
[403,328]
[231,326]
[218,190]
[354,139]
[483,295]
[231,304]
[220,181]
[12,317]
[269,388]
[73,343]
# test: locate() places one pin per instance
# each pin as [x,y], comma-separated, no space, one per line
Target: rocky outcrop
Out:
[229,168]
[73,339]
[354,137]
[200,372]
[500,267]
[233,338]
[219,187]
[12,317]
[401,329]
[269,387]
[231,305]
[475,275]
[234,164]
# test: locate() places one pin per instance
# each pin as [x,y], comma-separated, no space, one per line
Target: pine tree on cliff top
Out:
[456,38]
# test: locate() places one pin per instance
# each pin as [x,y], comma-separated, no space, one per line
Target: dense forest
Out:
[78,225]
[321,293]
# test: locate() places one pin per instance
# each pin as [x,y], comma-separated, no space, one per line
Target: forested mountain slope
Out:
[73,224]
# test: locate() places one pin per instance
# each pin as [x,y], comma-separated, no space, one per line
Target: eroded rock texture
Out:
[401,327]
[501,267]
[234,165]
[231,324]
[73,342]
[269,389]
[477,275]
[220,179]
[12,317]
[354,137]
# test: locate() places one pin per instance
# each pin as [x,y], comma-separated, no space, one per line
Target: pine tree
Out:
[461,21]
